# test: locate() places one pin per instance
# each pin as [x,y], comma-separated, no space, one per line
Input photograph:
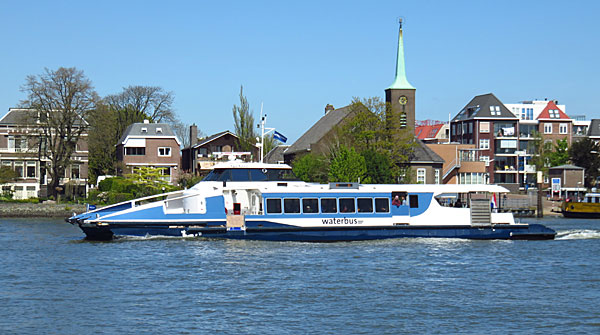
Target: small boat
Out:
[266,202]
[589,207]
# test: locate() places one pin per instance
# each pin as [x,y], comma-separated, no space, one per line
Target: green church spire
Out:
[400,82]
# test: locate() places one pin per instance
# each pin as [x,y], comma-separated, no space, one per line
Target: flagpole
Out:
[262,132]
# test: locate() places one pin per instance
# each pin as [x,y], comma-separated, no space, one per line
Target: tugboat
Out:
[589,207]
[266,202]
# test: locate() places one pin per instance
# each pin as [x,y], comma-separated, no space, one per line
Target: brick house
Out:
[23,149]
[199,157]
[152,145]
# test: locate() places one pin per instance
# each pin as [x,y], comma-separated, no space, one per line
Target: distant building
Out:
[432,131]
[462,164]
[571,179]
[151,145]
[206,152]
[23,149]
[504,135]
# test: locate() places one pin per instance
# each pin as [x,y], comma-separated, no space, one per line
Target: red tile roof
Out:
[551,106]
[425,132]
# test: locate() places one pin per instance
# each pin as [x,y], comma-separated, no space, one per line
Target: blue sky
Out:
[297,57]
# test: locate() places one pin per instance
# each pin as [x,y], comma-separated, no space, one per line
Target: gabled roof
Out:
[319,130]
[594,128]
[276,154]
[423,154]
[425,132]
[552,112]
[485,106]
[213,137]
[24,116]
[148,130]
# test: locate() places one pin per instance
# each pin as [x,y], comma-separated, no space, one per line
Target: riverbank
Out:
[8,209]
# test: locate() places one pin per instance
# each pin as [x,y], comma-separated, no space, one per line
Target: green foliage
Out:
[311,168]
[375,126]
[348,166]
[187,180]
[379,167]
[7,174]
[560,154]
[149,180]
[244,123]
[106,184]
[585,154]
[542,150]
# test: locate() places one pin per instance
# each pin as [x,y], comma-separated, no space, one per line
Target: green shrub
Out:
[114,197]
[106,184]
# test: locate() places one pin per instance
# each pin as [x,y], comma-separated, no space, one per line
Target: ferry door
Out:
[399,203]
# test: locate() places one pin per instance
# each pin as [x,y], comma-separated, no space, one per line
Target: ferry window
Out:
[413,200]
[225,176]
[346,205]
[382,205]
[365,205]
[310,206]
[291,205]
[328,206]
[257,175]
[273,206]
[239,175]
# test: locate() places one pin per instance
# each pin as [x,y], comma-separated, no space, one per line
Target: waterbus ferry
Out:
[266,202]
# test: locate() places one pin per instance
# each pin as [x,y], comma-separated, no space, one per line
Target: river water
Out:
[54,282]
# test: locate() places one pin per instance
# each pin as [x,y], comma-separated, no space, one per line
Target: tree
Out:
[379,167]
[348,166]
[243,121]
[585,154]
[102,138]
[150,180]
[560,154]
[311,168]
[138,103]
[60,102]
[542,150]
[374,126]
[7,174]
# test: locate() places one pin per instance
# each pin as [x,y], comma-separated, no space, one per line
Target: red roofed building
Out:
[432,131]
[554,124]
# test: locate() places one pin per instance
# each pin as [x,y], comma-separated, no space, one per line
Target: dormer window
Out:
[144,130]
[159,130]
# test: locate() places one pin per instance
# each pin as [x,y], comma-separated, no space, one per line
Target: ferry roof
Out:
[301,187]
[252,165]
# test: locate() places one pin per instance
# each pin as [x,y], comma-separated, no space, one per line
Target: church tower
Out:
[401,94]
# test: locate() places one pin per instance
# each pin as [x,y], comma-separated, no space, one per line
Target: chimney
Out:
[146,121]
[329,108]
[193,135]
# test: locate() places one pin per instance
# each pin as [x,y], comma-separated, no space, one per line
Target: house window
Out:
[485,159]
[484,127]
[144,130]
[166,174]
[30,170]
[437,176]
[164,152]
[159,130]
[484,143]
[135,151]
[562,129]
[17,143]
[19,169]
[421,176]
[547,128]
[75,171]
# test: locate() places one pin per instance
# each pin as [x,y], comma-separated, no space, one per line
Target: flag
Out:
[278,136]
[494,205]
